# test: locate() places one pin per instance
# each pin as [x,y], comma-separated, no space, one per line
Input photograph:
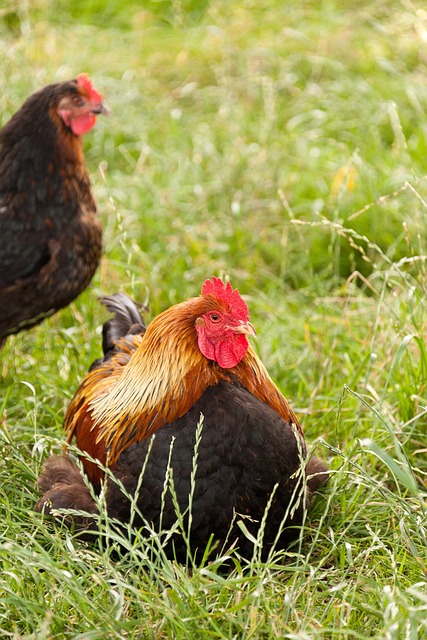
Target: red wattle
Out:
[82,124]
[226,353]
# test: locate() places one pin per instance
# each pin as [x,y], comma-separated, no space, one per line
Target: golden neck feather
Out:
[163,379]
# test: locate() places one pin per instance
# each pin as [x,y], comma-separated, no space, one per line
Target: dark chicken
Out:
[139,408]
[51,238]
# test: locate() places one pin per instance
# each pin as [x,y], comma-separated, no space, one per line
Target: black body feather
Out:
[247,455]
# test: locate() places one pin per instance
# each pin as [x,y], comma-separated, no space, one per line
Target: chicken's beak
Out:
[245,327]
[100,109]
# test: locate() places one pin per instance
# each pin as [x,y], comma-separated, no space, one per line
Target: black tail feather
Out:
[126,320]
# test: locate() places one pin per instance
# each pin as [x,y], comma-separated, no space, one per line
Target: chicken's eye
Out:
[215,317]
[77,101]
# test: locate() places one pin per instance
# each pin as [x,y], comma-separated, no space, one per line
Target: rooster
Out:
[138,411]
[51,239]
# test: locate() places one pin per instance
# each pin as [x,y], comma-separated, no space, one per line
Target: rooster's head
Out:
[223,327]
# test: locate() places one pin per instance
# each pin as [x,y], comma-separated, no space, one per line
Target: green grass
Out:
[283,146]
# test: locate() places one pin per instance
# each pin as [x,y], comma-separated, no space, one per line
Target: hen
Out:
[190,377]
[51,239]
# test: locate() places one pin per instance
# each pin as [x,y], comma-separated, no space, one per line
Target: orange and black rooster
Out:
[50,238]
[138,409]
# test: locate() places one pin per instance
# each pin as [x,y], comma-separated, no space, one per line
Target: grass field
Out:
[285,147]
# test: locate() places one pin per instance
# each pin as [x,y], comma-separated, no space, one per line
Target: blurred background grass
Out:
[283,146]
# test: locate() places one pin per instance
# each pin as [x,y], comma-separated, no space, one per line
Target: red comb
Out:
[84,83]
[225,292]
